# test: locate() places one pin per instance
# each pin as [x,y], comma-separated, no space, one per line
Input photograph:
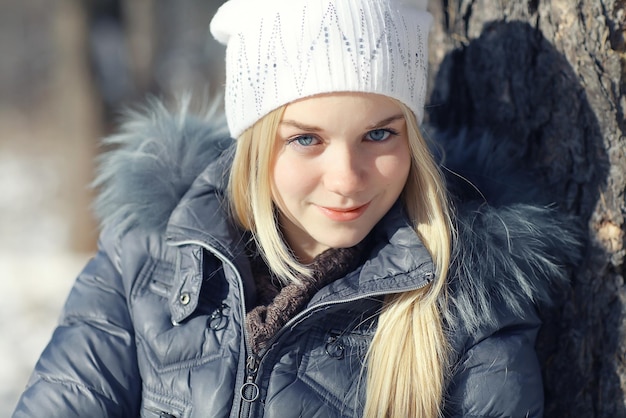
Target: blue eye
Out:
[379,134]
[304,140]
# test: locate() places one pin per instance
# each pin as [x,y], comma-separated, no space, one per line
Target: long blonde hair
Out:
[407,361]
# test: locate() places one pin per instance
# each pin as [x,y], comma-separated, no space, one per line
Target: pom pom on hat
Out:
[278,51]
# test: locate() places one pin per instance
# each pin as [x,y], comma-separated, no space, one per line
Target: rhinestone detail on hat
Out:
[274,67]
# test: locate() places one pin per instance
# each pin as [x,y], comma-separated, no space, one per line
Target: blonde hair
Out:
[250,194]
[407,360]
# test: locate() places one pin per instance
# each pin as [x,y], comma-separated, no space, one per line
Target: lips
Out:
[344,214]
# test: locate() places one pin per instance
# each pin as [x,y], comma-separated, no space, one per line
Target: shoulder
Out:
[498,376]
[153,160]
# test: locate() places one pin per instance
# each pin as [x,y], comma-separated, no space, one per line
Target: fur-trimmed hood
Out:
[505,251]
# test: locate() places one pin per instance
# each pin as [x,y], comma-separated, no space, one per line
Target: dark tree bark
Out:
[548,78]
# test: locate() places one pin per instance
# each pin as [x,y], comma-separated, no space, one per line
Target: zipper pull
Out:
[334,345]
[250,391]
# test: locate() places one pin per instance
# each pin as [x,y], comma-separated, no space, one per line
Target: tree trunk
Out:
[548,78]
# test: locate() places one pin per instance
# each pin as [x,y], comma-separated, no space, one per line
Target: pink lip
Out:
[344,214]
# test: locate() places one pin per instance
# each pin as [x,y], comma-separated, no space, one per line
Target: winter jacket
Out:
[154,325]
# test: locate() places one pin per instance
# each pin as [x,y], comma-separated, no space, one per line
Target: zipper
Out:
[250,391]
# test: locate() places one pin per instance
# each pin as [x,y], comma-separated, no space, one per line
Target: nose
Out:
[345,172]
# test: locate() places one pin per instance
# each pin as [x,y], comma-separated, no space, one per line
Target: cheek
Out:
[290,179]
[394,170]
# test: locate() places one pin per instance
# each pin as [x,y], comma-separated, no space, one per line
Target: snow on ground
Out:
[33,289]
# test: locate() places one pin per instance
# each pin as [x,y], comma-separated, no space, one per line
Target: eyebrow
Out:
[387,121]
[300,126]
[313,128]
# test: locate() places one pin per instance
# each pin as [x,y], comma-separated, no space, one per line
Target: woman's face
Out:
[341,161]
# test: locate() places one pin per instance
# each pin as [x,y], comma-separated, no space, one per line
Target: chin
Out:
[345,243]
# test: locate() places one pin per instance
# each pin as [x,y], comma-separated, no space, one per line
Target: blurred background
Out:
[69,67]
[67,70]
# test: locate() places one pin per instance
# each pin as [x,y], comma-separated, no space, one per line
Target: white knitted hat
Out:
[278,51]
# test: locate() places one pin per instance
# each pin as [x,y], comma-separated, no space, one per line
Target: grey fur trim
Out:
[511,248]
[509,257]
[155,158]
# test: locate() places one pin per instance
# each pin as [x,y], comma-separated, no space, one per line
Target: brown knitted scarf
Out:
[277,304]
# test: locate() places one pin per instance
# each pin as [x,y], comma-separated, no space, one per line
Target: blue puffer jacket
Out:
[153,326]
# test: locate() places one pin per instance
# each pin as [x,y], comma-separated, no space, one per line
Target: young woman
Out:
[314,267]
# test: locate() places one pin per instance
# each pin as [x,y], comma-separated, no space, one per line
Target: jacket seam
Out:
[143,277]
[183,405]
[92,321]
[174,365]
[72,383]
